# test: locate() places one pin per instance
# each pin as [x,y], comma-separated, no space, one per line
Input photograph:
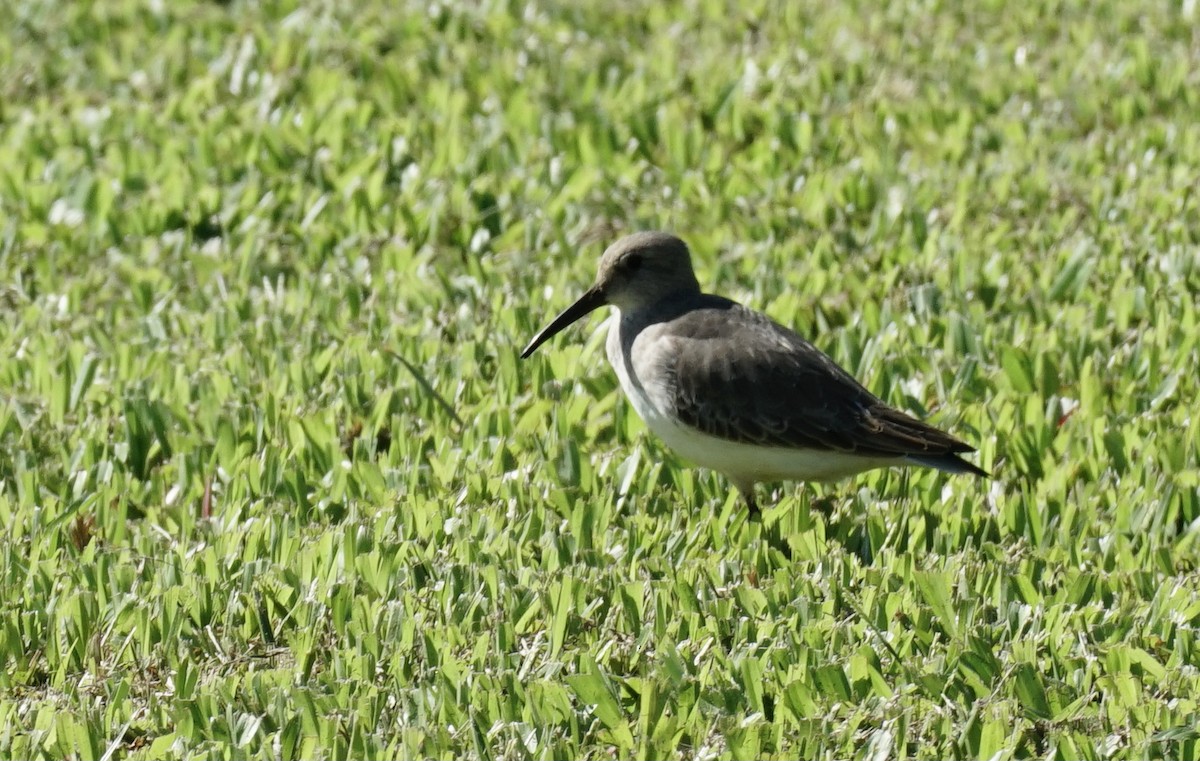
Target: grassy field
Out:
[274,483]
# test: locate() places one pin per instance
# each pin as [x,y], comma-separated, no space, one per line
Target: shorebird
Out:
[729,389]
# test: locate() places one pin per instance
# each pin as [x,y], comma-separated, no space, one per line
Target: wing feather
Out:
[737,375]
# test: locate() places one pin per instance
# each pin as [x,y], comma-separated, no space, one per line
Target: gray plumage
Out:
[742,377]
[733,390]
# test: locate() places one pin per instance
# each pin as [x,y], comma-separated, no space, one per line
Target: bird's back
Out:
[735,374]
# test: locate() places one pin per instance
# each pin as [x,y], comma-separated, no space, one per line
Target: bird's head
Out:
[636,272]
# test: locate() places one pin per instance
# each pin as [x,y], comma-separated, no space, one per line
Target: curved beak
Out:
[590,301]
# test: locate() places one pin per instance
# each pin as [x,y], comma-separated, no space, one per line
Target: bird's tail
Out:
[949,463]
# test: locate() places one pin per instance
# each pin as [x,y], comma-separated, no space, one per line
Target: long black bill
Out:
[588,302]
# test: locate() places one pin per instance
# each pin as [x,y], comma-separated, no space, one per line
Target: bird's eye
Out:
[631,263]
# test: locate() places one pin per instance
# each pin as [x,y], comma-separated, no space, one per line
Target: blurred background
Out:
[276,484]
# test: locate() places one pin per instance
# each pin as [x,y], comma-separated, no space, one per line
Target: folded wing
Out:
[761,383]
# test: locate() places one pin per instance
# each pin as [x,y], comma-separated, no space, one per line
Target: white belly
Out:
[744,464]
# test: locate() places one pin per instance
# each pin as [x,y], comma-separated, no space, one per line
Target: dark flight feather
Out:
[738,375]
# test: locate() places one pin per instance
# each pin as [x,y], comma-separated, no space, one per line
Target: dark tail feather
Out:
[949,463]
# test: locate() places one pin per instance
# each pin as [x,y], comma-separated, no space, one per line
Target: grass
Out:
[275,484]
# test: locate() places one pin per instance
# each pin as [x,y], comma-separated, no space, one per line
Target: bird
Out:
[729,389]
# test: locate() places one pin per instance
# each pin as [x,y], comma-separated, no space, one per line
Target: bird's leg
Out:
[751,502]
[824,505]
[771,534]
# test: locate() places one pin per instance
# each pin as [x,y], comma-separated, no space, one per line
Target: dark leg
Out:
[825,506]
[752,504]
[769,534]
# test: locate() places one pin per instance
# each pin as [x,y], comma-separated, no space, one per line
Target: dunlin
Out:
[729,389]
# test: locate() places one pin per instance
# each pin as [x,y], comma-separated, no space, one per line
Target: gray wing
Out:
[739,376]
